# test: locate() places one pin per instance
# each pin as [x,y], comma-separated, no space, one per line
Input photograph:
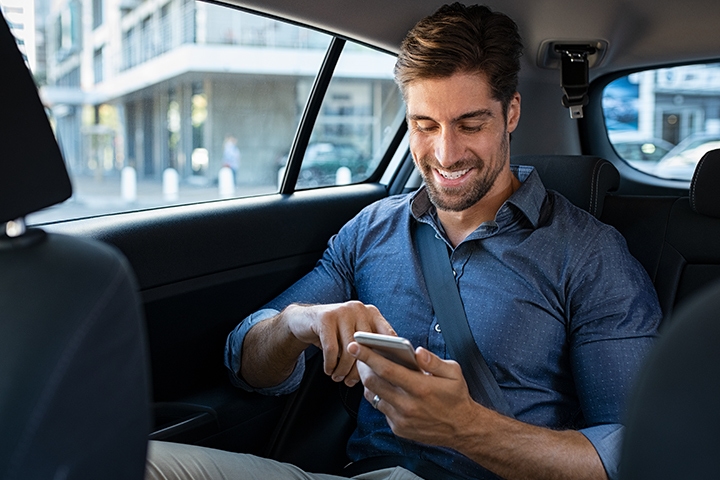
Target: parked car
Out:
[637,149]
[680,162]
[173,78]
[328,163]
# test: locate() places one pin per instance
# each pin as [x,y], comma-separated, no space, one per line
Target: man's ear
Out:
[513,113]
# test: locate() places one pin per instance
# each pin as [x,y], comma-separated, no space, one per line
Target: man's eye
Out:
[425,127]
[471,128]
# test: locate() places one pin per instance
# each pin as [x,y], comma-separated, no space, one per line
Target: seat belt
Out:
[450,313]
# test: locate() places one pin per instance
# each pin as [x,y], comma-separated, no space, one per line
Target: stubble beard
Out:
[457,199]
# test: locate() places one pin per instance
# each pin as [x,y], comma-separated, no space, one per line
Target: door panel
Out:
[201,269]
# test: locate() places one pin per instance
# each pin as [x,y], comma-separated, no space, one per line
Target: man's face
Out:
[459,137]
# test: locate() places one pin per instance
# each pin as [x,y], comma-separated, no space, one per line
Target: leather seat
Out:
[585,180]
[74,386]
[677,239]
[690,256]
[673,418]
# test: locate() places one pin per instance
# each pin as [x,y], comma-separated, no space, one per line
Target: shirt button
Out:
[437,328]
[454,273]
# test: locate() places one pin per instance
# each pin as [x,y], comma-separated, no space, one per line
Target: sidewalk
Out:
[99,196]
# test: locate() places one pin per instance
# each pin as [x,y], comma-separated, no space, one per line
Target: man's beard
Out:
[457,199]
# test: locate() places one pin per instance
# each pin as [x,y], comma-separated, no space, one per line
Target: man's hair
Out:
[461,39]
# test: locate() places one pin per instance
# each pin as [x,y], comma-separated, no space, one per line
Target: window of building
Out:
[98,13]
[98,65]
[165,42]
[663,121]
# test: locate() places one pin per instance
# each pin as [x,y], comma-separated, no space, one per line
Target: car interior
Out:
[107,375]
[75,384]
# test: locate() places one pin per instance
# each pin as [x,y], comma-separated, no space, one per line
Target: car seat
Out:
[74,389]
[673,418]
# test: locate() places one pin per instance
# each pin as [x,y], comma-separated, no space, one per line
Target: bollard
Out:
[171,184]
[128,184]
[226,183]
[343,176]
[280,177]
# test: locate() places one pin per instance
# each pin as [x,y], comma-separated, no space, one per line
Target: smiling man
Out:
[560,310]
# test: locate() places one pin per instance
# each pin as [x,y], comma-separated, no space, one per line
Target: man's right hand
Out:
[271,347]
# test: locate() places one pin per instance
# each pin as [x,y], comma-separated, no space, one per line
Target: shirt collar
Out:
[528,199]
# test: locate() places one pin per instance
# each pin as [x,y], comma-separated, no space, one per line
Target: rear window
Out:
[663,121]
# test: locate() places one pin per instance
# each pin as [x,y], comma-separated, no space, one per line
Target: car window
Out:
[663,121]
[182,101]
[360,114]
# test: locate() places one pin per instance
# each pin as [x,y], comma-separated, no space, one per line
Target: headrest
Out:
[704,191]
[33,172]
[582,179]
[672,417]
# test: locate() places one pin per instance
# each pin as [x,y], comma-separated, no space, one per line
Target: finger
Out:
[373,366]
[352,378]
[379,323]
[434,365]
[376,385]
[331,350]
[346,362]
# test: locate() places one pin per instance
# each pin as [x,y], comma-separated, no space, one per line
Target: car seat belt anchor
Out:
[574,76]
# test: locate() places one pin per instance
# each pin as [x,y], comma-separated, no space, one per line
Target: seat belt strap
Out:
[450,313]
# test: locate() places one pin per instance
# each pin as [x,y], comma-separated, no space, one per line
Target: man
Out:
[557,305]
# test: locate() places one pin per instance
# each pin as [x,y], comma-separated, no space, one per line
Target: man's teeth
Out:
[453,175]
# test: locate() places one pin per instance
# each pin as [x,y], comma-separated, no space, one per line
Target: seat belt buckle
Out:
[574,67]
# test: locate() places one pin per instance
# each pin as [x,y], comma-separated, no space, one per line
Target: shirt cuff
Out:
[607,440]
[233,356]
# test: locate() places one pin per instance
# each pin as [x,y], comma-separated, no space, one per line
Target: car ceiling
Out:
[639,32]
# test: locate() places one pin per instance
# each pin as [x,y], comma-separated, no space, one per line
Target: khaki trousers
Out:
[175,461]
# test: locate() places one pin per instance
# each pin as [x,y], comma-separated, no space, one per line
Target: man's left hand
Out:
[430,407]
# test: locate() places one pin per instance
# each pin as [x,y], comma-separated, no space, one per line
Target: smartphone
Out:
[396,349]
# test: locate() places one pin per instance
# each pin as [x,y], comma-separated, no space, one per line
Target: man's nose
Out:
[447,148]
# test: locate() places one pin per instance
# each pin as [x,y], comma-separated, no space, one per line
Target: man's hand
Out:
[430,408]
[331,328]
[271,347]
[435,408]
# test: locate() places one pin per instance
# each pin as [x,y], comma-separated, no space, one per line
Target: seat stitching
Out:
[595,187]
[693,183]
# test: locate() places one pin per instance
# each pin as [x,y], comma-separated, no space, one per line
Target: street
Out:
[94,196]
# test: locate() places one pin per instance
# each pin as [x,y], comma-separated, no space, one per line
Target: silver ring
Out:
[375,401]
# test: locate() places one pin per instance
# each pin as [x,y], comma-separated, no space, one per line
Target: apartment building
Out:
[165,83]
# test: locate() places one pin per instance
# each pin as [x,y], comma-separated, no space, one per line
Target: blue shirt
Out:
[561,311]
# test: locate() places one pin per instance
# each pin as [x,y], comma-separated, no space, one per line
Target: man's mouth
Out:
[452,175]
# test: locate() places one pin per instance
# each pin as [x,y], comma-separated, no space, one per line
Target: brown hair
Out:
[457,38]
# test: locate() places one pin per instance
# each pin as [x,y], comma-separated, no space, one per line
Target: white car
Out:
[680,162]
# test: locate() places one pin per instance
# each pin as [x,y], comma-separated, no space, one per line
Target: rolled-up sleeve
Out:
[607,440]
[233,357]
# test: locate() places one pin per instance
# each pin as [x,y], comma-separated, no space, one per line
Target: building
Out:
[20,16]
[164,83]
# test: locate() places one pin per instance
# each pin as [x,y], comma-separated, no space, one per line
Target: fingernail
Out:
[353,348]
[338,378]
[351,383]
